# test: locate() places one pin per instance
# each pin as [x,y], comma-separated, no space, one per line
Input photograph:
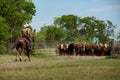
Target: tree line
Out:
[72,28]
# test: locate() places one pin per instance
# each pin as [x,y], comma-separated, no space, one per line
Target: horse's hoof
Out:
[20,60]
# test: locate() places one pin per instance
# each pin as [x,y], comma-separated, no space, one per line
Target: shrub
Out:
[3,49]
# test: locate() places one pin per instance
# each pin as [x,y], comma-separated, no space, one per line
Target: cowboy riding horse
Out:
[24,44]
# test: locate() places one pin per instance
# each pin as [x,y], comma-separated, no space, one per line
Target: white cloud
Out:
[105,8]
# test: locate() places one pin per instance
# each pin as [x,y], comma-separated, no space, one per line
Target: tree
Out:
[16,13]
[70,24]
[105,30]
[87,29]
[52,33]
[4,35]
[118,36]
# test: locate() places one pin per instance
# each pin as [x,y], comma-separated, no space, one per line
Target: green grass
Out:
[48,67]
[116,56]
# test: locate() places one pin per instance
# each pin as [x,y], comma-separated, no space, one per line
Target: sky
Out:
[48,10]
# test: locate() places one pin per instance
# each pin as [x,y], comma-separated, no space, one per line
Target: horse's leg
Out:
[20,57]
[20,54]
[25,56]
[28,55]
[17,54]
[29,51]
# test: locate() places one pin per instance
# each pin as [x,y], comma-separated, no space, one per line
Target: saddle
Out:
[27,41]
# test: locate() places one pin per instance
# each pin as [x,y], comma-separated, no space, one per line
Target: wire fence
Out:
[47,48]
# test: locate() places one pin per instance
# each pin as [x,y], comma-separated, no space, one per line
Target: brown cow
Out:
[77,48]
[89,50]
[61,49]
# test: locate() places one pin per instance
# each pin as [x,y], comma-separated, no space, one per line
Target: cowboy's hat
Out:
[26,25]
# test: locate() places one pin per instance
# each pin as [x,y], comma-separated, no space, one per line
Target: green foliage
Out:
[51,33]
[71,28]
[67,21]
[40,37]
[70,24]
[3,49]
[4,35]
[16,13]
[87,29]
[118,37]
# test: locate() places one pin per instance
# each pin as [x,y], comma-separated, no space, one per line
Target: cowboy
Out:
[26,34]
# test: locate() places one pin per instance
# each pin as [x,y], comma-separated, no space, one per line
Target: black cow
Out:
[70,50]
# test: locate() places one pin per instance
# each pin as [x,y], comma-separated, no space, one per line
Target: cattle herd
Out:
[83,49]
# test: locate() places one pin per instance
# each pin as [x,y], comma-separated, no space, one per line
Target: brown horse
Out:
[21,45]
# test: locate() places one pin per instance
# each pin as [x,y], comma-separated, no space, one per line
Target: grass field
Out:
[52,67]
